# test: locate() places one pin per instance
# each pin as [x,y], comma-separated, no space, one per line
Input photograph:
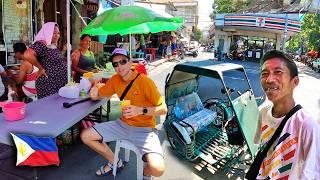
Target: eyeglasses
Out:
[122,62]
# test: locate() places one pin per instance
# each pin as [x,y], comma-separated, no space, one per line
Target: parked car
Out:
[316,65]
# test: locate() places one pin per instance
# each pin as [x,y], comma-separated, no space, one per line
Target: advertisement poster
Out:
[17,25]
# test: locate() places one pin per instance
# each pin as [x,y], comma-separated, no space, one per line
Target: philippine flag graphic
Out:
[36,151]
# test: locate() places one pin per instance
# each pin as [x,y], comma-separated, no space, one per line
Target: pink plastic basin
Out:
[13,111]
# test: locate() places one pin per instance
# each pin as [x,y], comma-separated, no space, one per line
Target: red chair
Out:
[151,51]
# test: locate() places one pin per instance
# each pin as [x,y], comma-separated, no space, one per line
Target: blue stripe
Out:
[39,143]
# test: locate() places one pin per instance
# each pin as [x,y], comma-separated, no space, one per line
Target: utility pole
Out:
[285,34]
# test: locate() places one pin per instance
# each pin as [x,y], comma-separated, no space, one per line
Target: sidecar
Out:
[212,111]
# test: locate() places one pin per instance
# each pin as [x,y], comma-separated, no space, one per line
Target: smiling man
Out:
[295,153]
[137,123]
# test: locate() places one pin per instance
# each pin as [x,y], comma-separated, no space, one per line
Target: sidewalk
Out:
[154,64]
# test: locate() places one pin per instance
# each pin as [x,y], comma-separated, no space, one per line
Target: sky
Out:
[205,8]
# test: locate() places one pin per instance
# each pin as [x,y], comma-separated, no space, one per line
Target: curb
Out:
[155,64]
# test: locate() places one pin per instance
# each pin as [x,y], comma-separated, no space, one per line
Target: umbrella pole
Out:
[130,49]
[68,40]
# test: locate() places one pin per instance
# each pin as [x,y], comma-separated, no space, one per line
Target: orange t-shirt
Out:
[143,93]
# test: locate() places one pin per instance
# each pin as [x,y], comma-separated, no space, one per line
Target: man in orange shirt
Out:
[137,123]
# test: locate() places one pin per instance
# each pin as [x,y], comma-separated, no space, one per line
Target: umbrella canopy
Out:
[130,20]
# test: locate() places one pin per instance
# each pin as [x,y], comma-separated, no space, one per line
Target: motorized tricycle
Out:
[212,111]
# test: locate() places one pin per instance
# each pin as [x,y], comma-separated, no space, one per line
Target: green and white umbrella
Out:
[130,20]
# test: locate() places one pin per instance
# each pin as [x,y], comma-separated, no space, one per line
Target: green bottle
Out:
[83,93]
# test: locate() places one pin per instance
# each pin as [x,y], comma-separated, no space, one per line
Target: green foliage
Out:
[230,6]
[198,34]
[309,37]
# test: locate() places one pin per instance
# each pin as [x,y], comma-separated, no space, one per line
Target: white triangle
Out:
[23,149]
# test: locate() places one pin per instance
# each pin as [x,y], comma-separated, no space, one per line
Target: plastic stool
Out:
[148,57]
[127,145]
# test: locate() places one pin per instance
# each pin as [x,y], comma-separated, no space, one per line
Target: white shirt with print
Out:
[296,153]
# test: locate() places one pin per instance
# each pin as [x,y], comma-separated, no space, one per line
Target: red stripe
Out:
[42,158]
[294,29]
[31,90]
[294,22]
[289,155]
[275,19]
[284,178]
[272,25]
[264,128]
[31,77]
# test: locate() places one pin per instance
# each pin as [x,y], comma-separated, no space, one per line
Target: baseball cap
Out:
[119,51]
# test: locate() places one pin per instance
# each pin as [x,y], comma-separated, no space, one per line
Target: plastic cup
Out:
[100,85]
[88,75]
[125,103]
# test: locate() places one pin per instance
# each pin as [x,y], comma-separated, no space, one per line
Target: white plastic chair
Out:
[127,145]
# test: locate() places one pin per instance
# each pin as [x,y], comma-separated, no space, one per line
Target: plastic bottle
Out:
[83,93]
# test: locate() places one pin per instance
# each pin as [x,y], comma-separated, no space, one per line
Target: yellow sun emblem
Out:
[22,149]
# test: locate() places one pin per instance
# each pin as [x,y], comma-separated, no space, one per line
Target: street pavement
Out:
[79,162]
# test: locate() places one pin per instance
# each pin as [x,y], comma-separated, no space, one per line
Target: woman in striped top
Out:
[28,73]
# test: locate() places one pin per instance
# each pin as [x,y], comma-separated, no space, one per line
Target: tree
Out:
[309,37]
[252,6]
[198,34]
[229,6]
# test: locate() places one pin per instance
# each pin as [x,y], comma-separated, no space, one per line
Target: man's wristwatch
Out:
[144,110]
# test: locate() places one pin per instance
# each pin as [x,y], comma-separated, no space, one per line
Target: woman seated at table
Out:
[27,74]
[83,60]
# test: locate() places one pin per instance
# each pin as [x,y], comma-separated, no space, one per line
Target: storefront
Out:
[16,22]
[249,36]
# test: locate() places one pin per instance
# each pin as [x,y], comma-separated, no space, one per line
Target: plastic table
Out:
[47,117]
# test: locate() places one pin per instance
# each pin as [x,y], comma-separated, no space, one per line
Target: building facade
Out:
[187,9]
[253,34]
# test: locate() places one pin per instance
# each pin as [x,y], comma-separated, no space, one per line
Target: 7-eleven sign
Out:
[260,21]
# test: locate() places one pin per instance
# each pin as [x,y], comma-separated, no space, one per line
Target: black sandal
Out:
[102,172]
